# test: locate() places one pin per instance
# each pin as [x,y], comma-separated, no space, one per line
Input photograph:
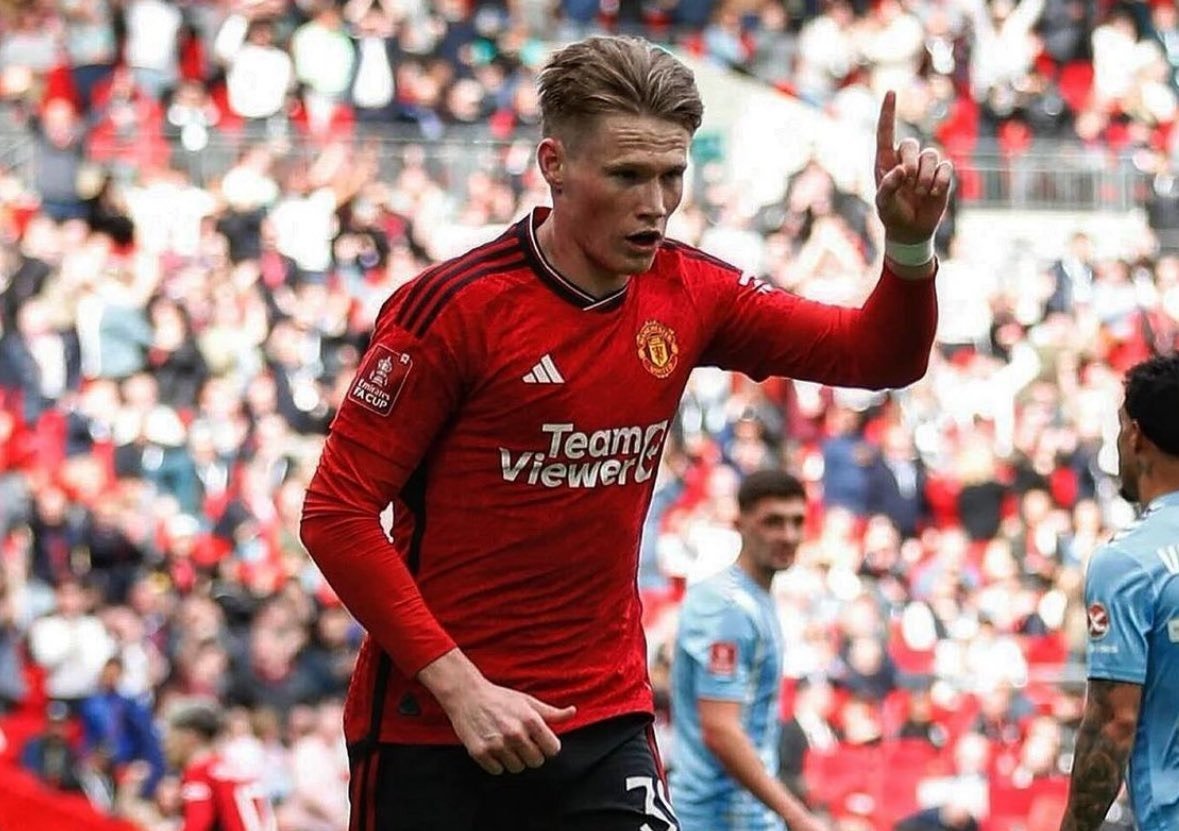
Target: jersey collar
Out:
[565,288]
[1167,500]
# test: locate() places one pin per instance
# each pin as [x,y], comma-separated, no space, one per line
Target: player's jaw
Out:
[1127,463]
[781,557]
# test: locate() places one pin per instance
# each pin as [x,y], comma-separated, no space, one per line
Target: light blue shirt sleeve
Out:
[1120,603]
[722,642]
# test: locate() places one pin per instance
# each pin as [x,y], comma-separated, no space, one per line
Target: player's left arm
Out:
[1120,599]
[886,342]
[1104,742]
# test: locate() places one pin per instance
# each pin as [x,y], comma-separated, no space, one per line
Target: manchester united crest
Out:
[658,349]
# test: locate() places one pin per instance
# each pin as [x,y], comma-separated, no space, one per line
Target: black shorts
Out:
[607,777]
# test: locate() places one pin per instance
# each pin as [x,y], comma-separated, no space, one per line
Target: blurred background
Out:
[203,205]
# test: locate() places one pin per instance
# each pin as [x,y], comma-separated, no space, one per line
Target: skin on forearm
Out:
[725,739]
[449,676]
[1104,743]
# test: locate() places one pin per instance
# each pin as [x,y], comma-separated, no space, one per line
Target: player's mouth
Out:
[645,240]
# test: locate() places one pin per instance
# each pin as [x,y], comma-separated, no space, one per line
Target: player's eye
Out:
[627,175]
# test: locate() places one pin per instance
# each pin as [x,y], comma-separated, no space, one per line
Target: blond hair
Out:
[603,75]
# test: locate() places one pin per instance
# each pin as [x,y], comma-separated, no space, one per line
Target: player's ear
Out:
[550,158]
[1138,440]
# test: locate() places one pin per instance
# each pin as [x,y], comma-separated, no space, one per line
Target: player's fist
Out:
[912,184]
[505,730]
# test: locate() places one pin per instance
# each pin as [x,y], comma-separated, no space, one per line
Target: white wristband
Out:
[911,254]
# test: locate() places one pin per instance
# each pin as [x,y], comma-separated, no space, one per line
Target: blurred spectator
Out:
[896,483]
[71,645]
[920,723]
[323,57]
[91,43]
[809,729]
[56,533]
[270,671]
[13,688]
[259,75]
[118,730]
[318,758]
[51,755]
[845,462]
[40,361]
[59,161]
[151,47]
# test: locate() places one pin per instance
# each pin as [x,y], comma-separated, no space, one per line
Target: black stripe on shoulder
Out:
[696,254]
[429,308]
[455,286]
[427,285]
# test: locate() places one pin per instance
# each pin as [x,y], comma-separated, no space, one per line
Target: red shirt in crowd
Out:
[516,424]
[217,797]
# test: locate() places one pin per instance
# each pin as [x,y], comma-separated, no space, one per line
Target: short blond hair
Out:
[605,75]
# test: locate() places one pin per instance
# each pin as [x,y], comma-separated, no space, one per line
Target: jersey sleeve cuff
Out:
[1120,676]
[917,284]
[721,695]
[411,658]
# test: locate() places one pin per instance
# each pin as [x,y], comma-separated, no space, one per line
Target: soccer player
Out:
[215,795]
[1132,598]
[513,405]
[726,675]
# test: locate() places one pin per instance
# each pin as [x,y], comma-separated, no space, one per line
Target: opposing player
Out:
[216,796]
[726,675]
[513,405]
[1132,597]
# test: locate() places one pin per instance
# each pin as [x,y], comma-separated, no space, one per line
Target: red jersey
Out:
[218,798]
[516,423]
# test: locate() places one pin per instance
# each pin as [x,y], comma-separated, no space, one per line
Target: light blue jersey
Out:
[729,648]
[1132,597]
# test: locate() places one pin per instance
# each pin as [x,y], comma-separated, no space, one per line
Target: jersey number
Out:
[254,808]
[657,805]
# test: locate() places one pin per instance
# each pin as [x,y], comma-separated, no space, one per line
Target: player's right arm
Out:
[405,390]
[722,642]
[725,738]
[1120,601]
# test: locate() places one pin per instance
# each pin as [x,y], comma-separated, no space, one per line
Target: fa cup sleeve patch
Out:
[1098,621]
[722,658]
[380,379]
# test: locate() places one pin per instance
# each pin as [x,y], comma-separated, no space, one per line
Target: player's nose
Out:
[654,201]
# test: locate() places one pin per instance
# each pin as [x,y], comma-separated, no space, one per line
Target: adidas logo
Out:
[545,372]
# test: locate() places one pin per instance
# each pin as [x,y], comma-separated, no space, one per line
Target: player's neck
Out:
[1165,481]
[198,756]
[759,575]
[562,253]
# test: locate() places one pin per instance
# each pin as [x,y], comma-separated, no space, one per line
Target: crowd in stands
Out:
[185,291]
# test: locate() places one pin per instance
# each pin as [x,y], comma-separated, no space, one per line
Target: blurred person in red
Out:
[512,406]
[215,795]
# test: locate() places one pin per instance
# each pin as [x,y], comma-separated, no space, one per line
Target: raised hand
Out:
[912,185]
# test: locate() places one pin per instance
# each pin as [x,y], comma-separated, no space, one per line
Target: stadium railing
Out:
[1049,176]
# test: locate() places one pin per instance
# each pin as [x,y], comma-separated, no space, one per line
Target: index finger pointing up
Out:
[886,135]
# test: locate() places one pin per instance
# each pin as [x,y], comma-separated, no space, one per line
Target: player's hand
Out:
[504,729]
[912,184]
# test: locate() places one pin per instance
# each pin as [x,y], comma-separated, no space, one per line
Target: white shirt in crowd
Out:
[72,651]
